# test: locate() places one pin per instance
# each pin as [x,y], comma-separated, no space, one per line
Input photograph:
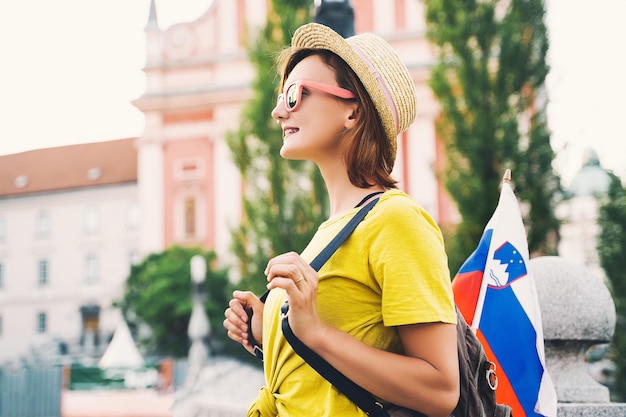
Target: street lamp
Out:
[199,329]
[337,15]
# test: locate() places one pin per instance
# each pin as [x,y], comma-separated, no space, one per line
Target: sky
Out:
[58,57]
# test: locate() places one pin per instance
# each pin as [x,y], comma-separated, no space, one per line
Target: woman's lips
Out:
[290,131]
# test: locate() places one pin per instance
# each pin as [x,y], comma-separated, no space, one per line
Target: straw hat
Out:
[383,74]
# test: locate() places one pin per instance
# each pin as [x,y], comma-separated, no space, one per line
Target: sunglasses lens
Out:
[291,97]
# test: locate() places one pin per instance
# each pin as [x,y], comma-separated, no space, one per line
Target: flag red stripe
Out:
[504,393]
[466,287]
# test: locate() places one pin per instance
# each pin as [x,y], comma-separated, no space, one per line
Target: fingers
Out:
[238,308]
[291,259]
[244,313]
[236,321]
[289,271]
[236,314]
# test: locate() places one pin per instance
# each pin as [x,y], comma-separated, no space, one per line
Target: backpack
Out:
[478,379]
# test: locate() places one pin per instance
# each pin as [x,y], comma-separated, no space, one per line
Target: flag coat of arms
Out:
[495,291]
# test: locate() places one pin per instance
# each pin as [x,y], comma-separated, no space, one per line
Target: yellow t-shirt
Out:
[391,271]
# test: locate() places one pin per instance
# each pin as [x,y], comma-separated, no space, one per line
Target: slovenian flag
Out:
[495,292]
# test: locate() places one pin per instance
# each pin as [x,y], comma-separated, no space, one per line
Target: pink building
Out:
[198,78]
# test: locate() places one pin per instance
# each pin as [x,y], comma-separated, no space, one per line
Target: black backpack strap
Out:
[362,398]
[359,396]
[321,259]
[343,234]
[257,348]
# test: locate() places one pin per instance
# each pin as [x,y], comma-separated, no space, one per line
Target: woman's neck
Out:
[342,194]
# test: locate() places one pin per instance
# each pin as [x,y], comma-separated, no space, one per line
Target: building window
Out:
[190,218]
[132,215]
[43,272]
[189,222]
[90,335]
[91,220]
[42,322]
[91,268]
[189,169]
[3,230]
[43,226]
[133,258]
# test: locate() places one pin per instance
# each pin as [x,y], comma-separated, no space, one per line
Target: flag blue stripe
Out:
[478,259]
[515,348]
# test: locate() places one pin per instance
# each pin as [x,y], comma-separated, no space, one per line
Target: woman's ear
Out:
[351,117]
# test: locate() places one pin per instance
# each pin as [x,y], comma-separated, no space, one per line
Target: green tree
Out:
[284,200]
[612,253]
[489,79]
[158,294]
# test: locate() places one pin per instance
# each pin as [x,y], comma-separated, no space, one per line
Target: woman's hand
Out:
[293,274]
[237,317]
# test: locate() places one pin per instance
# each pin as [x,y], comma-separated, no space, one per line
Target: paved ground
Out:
[128,403]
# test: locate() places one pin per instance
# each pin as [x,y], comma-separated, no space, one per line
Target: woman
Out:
[381,309]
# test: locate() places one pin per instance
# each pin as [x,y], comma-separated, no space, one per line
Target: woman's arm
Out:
[425,379]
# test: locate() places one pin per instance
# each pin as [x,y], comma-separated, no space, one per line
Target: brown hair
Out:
[368,156]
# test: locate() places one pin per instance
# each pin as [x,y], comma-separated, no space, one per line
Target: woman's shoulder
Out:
[397,207]
[398,202]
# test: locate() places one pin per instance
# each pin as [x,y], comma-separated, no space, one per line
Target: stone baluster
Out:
[577,313]
[199,329]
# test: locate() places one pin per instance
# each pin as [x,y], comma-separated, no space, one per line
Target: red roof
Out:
[67,167]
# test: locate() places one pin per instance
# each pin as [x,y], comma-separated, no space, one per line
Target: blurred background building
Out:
[69,229]
[579,213]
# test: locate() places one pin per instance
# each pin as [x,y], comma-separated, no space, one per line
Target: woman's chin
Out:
[288,152]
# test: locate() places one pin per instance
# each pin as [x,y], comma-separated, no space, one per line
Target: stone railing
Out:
[224,388]
[577,312]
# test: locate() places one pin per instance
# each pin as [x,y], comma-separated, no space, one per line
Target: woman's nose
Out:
[279,111]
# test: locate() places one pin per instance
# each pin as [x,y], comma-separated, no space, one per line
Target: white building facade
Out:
[69,231]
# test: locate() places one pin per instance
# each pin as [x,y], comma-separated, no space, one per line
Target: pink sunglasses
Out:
[292,95]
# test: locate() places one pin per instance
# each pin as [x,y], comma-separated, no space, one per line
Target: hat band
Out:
[379,80]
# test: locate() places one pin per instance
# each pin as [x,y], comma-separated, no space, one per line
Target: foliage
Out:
[489,82]
[284,200]
[158,294]
[612,253]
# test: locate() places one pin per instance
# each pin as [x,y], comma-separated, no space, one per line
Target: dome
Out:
[592,179]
